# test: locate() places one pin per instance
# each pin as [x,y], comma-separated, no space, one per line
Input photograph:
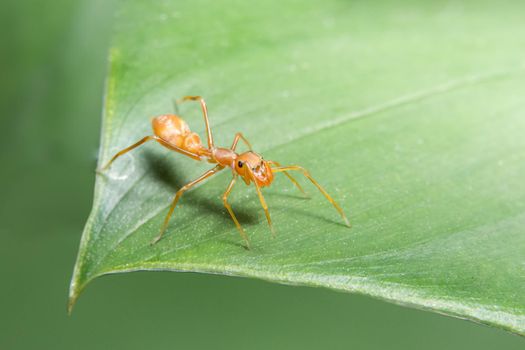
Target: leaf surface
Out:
[411,115]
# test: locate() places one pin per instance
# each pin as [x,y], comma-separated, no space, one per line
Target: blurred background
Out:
[53,63]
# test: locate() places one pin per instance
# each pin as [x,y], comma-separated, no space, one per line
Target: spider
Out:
[173,132]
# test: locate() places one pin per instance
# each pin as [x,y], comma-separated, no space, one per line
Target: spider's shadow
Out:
[169,175]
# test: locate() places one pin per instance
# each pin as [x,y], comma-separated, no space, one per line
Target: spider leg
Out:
[238,136]
[180,193]
[319,187]
[205,114]
[263,203]
[126,150]
[232,214]
[291,178]
[144,140]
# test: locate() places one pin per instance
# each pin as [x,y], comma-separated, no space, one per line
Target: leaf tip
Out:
[74,291]
[70,305]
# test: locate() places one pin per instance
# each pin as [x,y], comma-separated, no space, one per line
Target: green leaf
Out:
[412,115]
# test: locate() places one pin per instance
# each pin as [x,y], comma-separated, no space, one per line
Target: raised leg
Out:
[321,189]
[228,206]
[205,113]
[263,204]
[180,193]
[236,140]
[144,140]
[290,177]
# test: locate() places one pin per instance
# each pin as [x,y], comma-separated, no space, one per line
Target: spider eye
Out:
[239,164]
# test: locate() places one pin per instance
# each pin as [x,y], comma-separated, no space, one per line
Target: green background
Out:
[53,68]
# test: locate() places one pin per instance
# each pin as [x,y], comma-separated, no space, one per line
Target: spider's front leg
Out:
[232,214]
[316,184]
[263,202]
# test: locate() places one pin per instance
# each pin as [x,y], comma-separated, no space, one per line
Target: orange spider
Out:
[173,133]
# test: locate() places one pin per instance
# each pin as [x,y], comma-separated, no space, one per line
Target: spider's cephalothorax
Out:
[252,167]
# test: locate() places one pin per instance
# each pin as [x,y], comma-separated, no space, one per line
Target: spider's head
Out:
[252,167]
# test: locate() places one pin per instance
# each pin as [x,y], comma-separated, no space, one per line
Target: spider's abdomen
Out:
[176,131]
